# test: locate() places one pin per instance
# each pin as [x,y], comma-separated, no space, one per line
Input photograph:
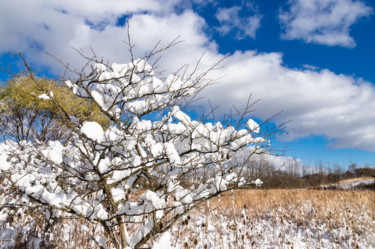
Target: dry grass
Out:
[284,219]
[331,206]
[269,199]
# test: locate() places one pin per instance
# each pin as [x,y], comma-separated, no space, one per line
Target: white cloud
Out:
[38,26]
[244,25]
[318,102]
[60,26]
[205,2]
[265,161]
[324,22]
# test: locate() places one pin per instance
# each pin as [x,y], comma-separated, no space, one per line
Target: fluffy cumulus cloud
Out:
[324,22]
[58,26]
[274,162]
[39,20]
[243,20]
[318,102]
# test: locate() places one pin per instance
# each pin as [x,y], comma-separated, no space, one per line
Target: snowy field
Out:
[283,219]
[246,219]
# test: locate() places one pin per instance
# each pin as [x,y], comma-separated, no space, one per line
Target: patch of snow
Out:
[44,97]
[165,242]
[253,126]
[93,130]
[257,182]
[4,164]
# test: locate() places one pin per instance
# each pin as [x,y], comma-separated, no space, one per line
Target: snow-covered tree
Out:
[148,169]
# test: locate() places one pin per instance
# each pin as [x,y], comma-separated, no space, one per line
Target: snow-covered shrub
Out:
[142,174]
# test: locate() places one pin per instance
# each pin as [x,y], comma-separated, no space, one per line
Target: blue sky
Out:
[312,59]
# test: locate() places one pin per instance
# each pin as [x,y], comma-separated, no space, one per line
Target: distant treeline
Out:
[283,179]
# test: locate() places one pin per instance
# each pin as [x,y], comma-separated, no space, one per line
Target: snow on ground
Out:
[330,222]
[278,229]
[352,184]
[268,219]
